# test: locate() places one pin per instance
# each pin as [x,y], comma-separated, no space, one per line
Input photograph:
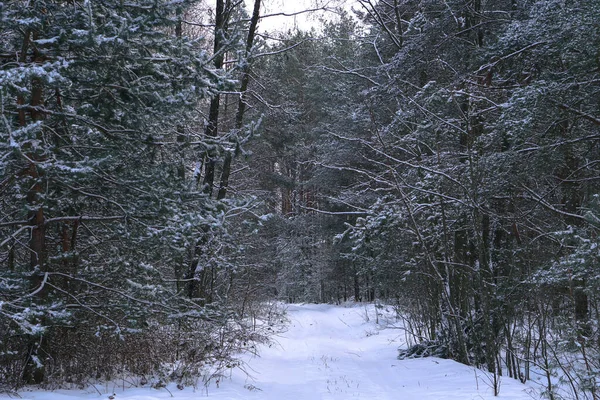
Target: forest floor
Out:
[328,352]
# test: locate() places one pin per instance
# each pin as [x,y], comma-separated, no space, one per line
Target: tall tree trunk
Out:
[212,127]
[34,369]
[239,117]
[37,241]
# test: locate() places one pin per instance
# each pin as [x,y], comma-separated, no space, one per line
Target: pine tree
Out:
[97,99]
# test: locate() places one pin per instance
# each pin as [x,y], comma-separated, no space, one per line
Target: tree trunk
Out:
[212,127]
[34,369]
[239,117]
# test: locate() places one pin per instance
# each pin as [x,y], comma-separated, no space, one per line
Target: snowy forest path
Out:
[335,352]
[328,353]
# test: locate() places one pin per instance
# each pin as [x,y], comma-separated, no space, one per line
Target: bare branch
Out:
[540,200]
[591,118]
[319,211]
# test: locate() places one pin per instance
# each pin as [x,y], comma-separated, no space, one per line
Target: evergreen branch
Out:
[506,57]
[85,218]
[112,290]
[84,306]
[276,52]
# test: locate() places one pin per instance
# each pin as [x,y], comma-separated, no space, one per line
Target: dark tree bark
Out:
[212,127]
[33,373]
[239,117]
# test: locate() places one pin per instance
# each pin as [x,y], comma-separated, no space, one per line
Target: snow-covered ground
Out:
[328,352]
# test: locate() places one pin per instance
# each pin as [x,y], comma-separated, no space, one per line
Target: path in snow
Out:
[332,352]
